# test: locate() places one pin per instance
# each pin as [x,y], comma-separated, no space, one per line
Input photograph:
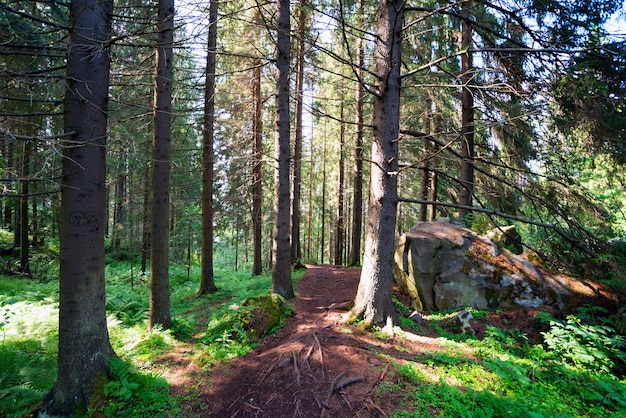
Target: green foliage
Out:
[129,307]
[134,393]
[226,336]
[236,330]
[499,381]
[401,307]
[506,340]
[590,346]
[6,240]
[27,371]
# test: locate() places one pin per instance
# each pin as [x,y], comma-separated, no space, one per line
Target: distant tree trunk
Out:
[118,211]
[9,152]
[425,183]
[310,216]
[160,231]
[357,206]
[467,111]
[296,249]
[341,226]
[373,300]
[323,238]
[257,170]
[207,281]
[145,218]
[434,177]
[257,188]
[23,231]
[281,274]
[84,349]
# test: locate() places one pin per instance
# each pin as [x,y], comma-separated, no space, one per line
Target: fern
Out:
[132,393]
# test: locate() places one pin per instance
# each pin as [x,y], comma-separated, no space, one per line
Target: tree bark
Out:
[119,209]
[257,188]
[84,347]
[281,274]
[425,180]
[373,300]
[207,280]
[23,232]
[357,206]
[323,233]
[434,176]
[341,226]
[160,231]
[467,112]
[296,249]
[145,217]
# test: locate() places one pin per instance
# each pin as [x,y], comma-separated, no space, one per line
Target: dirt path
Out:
[291,373]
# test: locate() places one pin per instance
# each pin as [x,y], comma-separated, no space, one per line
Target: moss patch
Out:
[267,314]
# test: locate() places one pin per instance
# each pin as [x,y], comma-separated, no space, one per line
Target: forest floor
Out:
[316,365]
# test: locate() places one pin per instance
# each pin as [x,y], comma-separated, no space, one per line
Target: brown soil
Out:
[315,365]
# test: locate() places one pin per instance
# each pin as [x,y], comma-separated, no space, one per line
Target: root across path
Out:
[316,365]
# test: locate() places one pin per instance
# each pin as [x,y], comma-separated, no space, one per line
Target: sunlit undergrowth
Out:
[569,376]
[28,336]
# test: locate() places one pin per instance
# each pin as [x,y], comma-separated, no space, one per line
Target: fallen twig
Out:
[382,375]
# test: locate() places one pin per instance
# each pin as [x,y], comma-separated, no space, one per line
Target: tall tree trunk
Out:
[160,231]
[84,347]
[119,209]
[467,111]
[145,217]
[296,249]
[357,206]
[425,183]
[257,187]
[281,274]
[434,178]
[207,281]
[323,238]
[8,211]
[23,232]
[373,300]
[341,226]
[310,215]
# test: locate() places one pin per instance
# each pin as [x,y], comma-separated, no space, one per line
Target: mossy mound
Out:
[267,314]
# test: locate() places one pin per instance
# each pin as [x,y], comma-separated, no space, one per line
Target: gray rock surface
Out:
[443,266]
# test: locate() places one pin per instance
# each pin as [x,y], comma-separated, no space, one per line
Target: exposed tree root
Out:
[305,358]
[344,306]
[335,386]
[331,391]
[296,370]
[349,381]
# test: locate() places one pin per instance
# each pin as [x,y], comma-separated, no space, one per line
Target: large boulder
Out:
[443,266]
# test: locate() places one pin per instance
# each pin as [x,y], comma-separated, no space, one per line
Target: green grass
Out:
[504,375]
[500,375]
[28,336]
[496,385]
